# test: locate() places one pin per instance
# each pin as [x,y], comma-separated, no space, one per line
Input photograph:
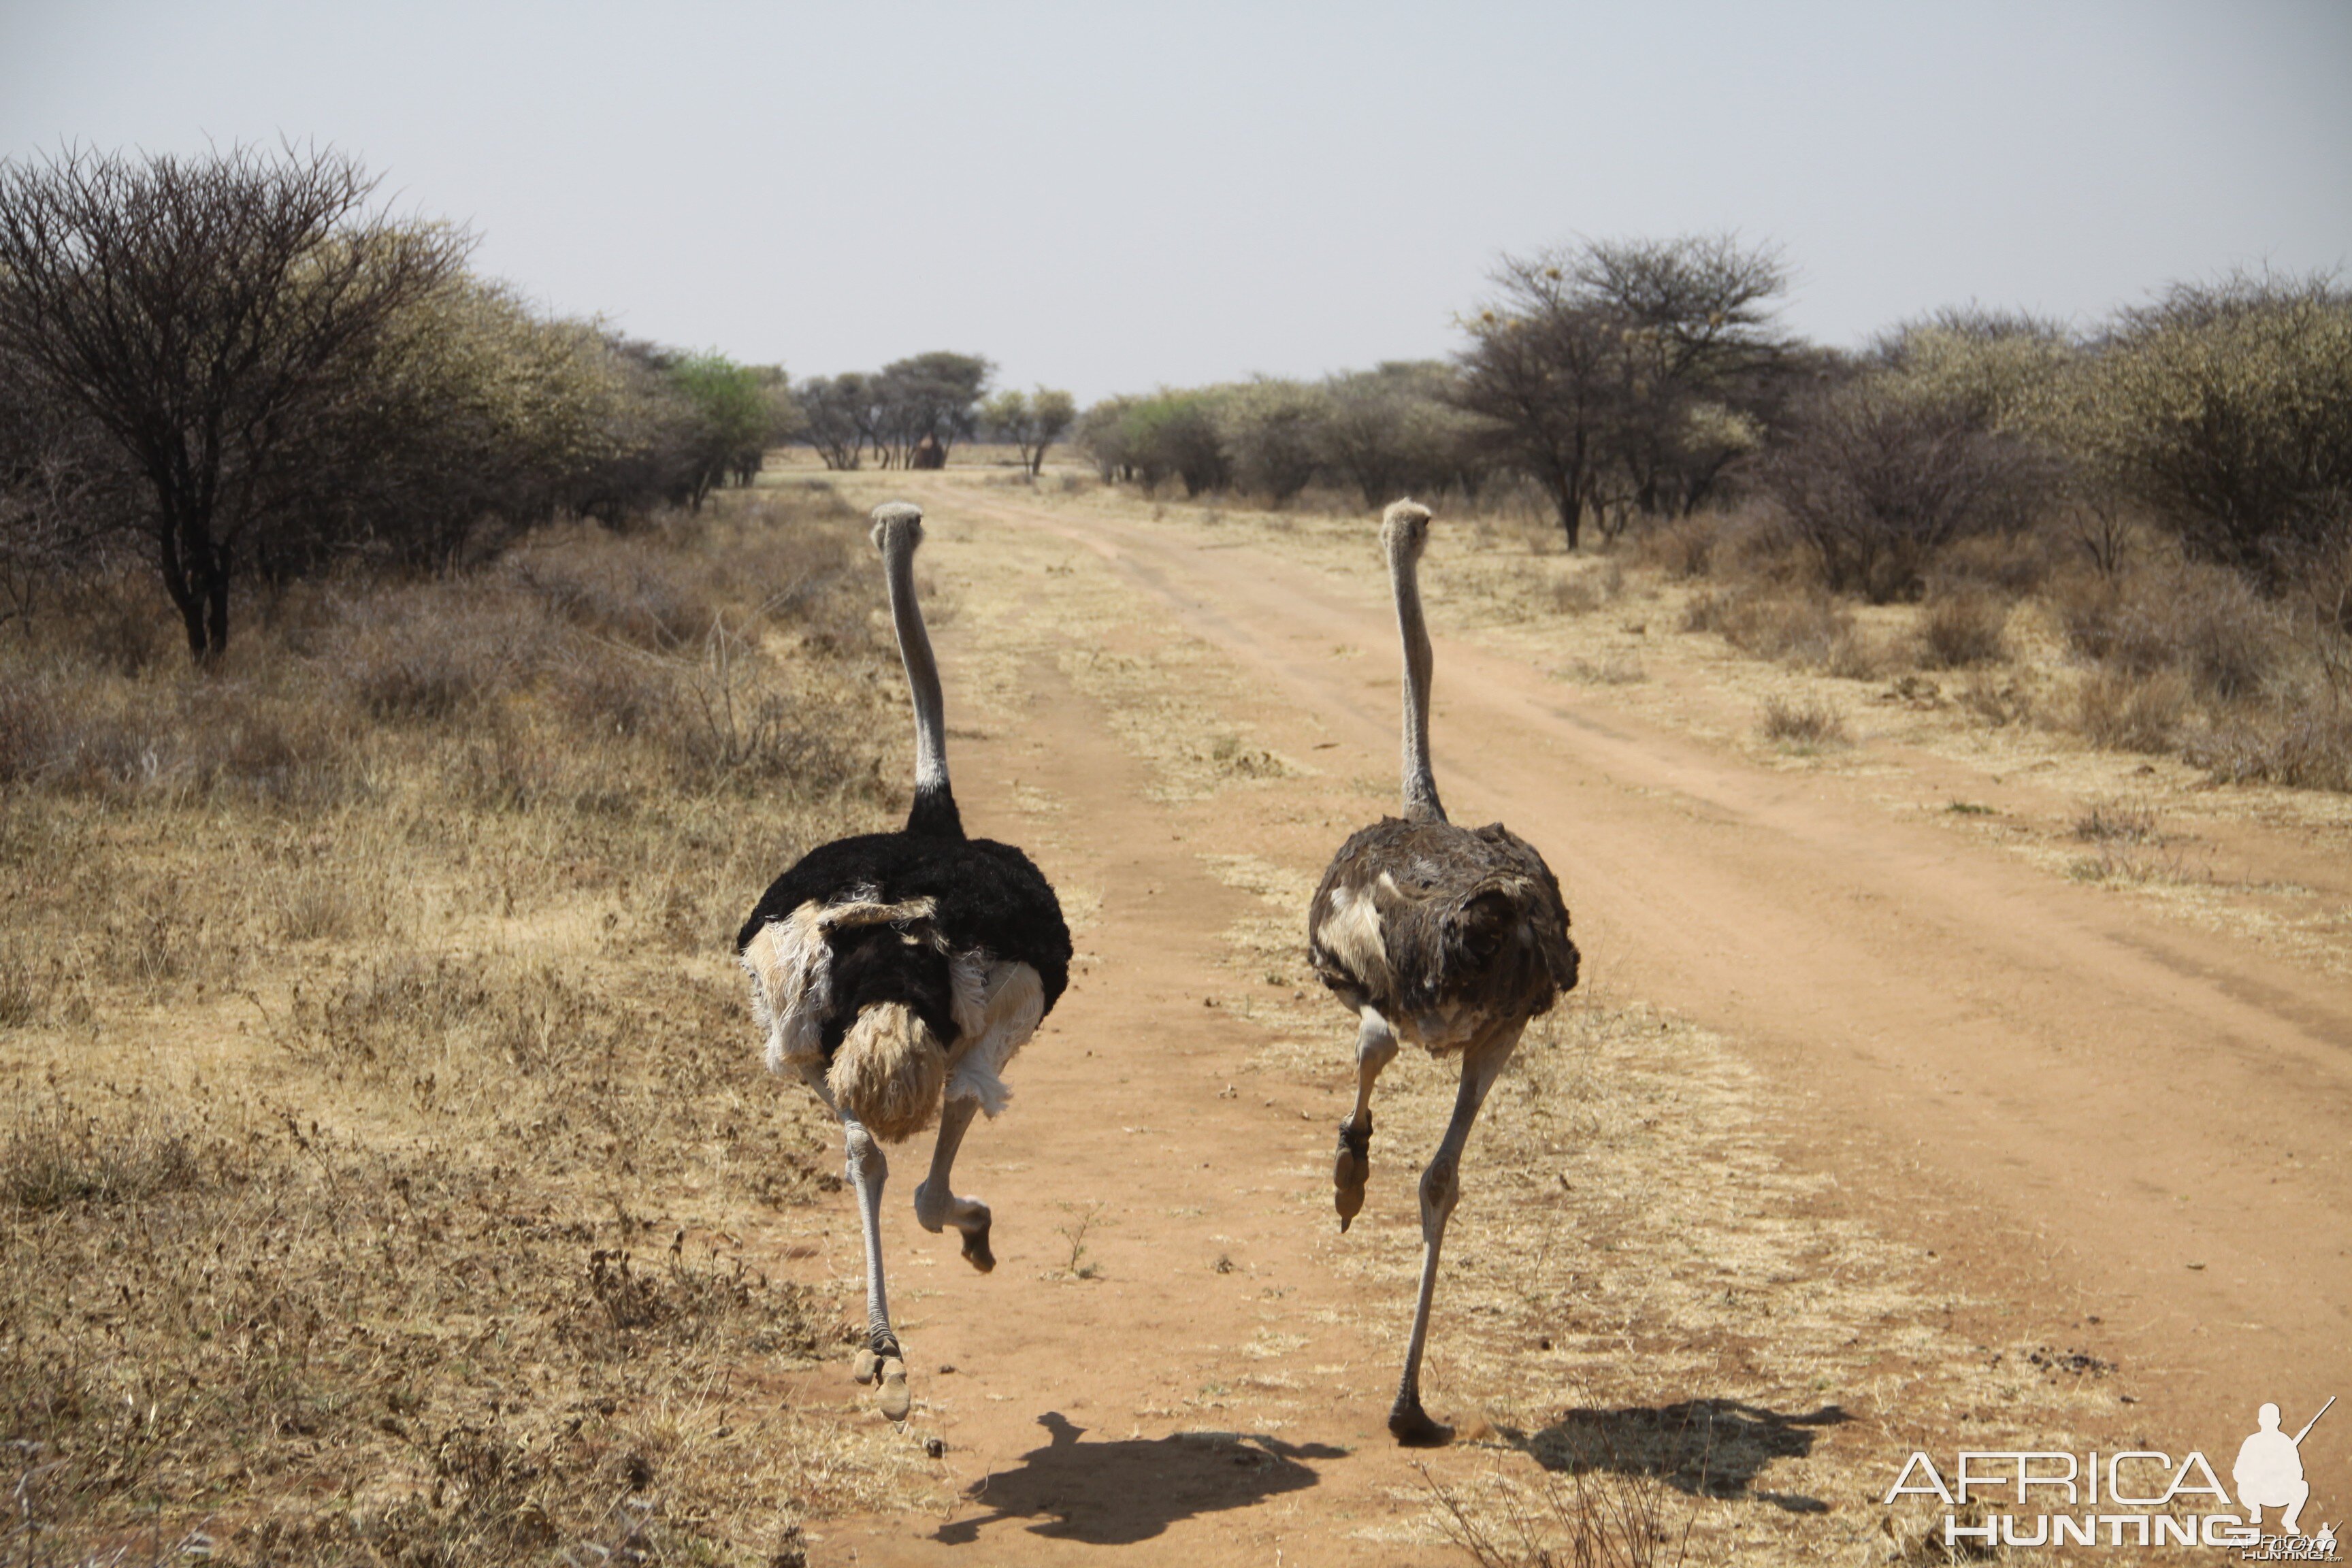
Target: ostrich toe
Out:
[893,1388]
[975,1247]
[1413,1428]
[864,1367]
[1350,1168]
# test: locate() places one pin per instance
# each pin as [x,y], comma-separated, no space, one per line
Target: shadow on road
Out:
[1118,1493]
[1703,1447]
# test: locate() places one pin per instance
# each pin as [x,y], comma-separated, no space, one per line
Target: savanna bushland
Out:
[2138,532]
[401,690]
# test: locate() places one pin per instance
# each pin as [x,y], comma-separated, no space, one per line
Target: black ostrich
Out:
[1450,937]
[900,972]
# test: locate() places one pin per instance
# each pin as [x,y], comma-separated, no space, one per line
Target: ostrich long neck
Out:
[934,810]
[1421,802]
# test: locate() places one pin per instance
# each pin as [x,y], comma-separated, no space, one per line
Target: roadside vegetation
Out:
[385,1178]
[402,694]
[2158,508]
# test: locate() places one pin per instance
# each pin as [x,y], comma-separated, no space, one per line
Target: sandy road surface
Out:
[2084,1111]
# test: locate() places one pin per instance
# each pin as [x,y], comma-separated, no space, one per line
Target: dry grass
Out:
[1575,1521]
[1807,726]
[1800,627]
[2128,846]
[384,1132]
[1962,628]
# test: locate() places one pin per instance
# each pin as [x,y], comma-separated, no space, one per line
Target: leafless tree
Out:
[1539,371]
[833,417]
[200,312]
[1876,484]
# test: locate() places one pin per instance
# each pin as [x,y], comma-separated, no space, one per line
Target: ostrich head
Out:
[898,525]
[1405,529]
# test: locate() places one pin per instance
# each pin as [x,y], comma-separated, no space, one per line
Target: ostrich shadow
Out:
[1701,1448]
[1119,1493]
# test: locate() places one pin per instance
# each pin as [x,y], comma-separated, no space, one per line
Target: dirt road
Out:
[2083,1120]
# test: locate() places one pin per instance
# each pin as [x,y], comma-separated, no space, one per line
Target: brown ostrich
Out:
[1450,937]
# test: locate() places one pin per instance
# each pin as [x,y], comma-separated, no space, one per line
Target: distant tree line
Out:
[1621,379]
[912,413]
[1631,382]
[236,363]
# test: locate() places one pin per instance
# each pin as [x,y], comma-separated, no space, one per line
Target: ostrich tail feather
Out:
[889,1071]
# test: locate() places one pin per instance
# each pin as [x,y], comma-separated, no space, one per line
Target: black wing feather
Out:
[989,895]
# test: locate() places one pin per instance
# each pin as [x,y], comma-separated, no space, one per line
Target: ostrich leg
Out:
[1441,1186]
[882,1362]
[1376,1047]
[936,1204]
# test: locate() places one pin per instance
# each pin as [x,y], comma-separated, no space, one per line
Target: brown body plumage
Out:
[1441,929]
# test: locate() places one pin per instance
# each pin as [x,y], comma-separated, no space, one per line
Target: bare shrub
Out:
[1810,725]
[1681,548]
[2117,822]
[1996,702]
[2006,565]
[2301,750]
[1585,591]
[28,730]
[1579,1520]
[1962,627]
[607,691]
[2203,621]
[1801,626]
[2132,712]
[429,651]
[1855,655]
[104,620]
[314,905]
[1876,484]
[615,587]
[58,1154]
[26,984]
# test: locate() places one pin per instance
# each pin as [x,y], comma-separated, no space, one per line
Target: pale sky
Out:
[1110,196]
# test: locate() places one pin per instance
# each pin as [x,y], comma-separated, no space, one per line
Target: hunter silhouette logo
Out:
[2269,1471]
[2137,1498]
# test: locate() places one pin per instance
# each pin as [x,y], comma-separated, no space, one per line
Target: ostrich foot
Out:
[1350,1168]
[975,1248]
[893,1388]
[1413,1428]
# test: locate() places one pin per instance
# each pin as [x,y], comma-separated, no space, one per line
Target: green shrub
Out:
[2226,410]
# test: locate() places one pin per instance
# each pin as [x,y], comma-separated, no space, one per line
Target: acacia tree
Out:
[936,394]
[833,416]
[1622,375]
[200,312]
[1399,429]
[1537,372]
[1031,424]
